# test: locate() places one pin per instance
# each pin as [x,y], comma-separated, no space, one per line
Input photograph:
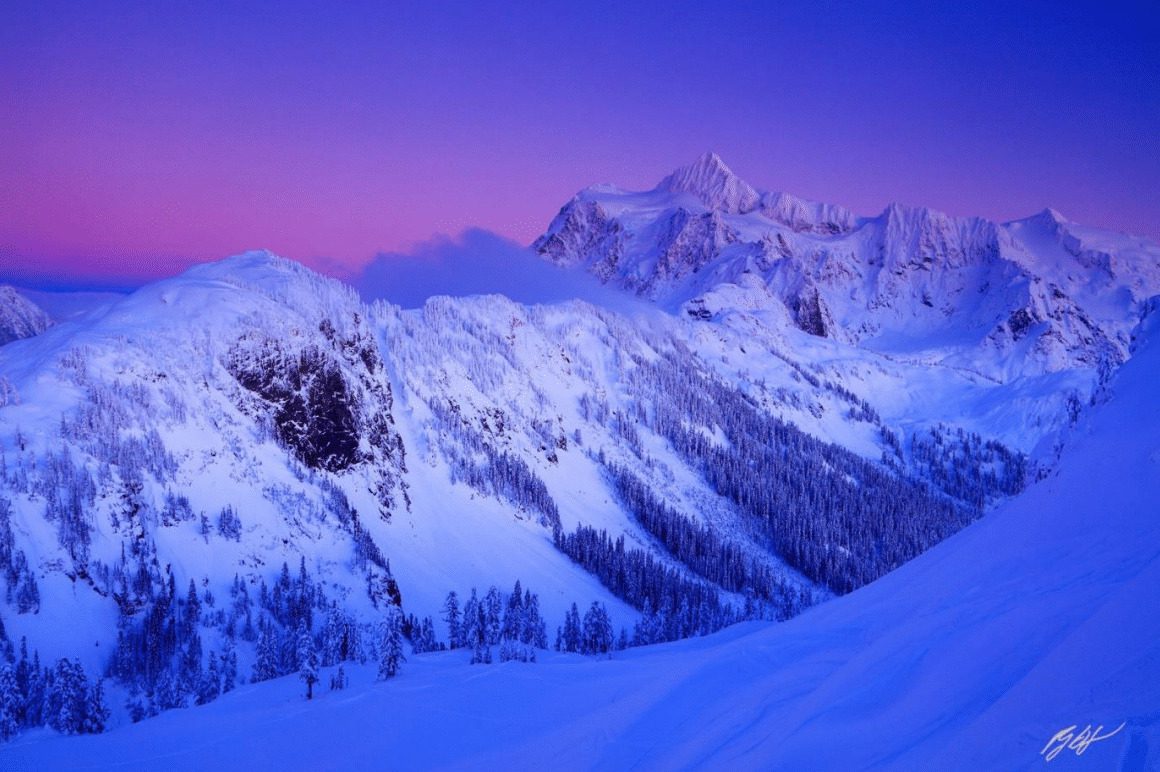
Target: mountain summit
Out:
[714,183]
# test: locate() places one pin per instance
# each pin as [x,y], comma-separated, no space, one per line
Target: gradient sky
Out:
[138,137]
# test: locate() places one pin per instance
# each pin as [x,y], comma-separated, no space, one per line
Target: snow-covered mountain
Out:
[251,413]
[813,400]
[19,316]
[993,650]
[1033,296]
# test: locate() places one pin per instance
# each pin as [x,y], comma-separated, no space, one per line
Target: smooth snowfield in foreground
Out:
[972,656]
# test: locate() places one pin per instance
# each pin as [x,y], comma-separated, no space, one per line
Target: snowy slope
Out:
[69,305]
[265,386]
[973,656]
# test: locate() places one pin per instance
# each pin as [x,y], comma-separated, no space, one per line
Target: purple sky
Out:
[138,137]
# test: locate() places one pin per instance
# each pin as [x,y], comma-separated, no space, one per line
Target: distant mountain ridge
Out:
[1039,295]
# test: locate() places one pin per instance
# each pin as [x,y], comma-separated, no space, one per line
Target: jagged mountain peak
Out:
[714,183]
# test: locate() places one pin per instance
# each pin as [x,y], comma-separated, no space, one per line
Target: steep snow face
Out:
[19,316]
[1021,299]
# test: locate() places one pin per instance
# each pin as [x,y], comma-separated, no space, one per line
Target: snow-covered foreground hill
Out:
[1039,617]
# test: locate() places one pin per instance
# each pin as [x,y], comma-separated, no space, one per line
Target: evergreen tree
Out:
[66,700]
[10,703]
[135,703]
[167,693]
[97,712]
[7,653]
[332,637]
[307,659]
[192,613]
[423,637]
[34,708]
[190,674]
[451,617]
[535,633]
[514,620]
[229,667]
[597,633]
[266,664]
[572,632]
[493,615]
[472,630]
[390,643]
[229,525]
[211,683]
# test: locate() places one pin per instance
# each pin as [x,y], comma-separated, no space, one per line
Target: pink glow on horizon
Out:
[143,139]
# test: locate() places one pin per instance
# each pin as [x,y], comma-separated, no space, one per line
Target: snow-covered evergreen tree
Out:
[97,712]
[534,633]
[493,616]
[10,703]
[597,631]
[514,619]
[451,617]
[266,664]
[229,524]
[229,667]
[307,659]
[135,703]
[572,636]
[211,684]
[66,699]
[391,643]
